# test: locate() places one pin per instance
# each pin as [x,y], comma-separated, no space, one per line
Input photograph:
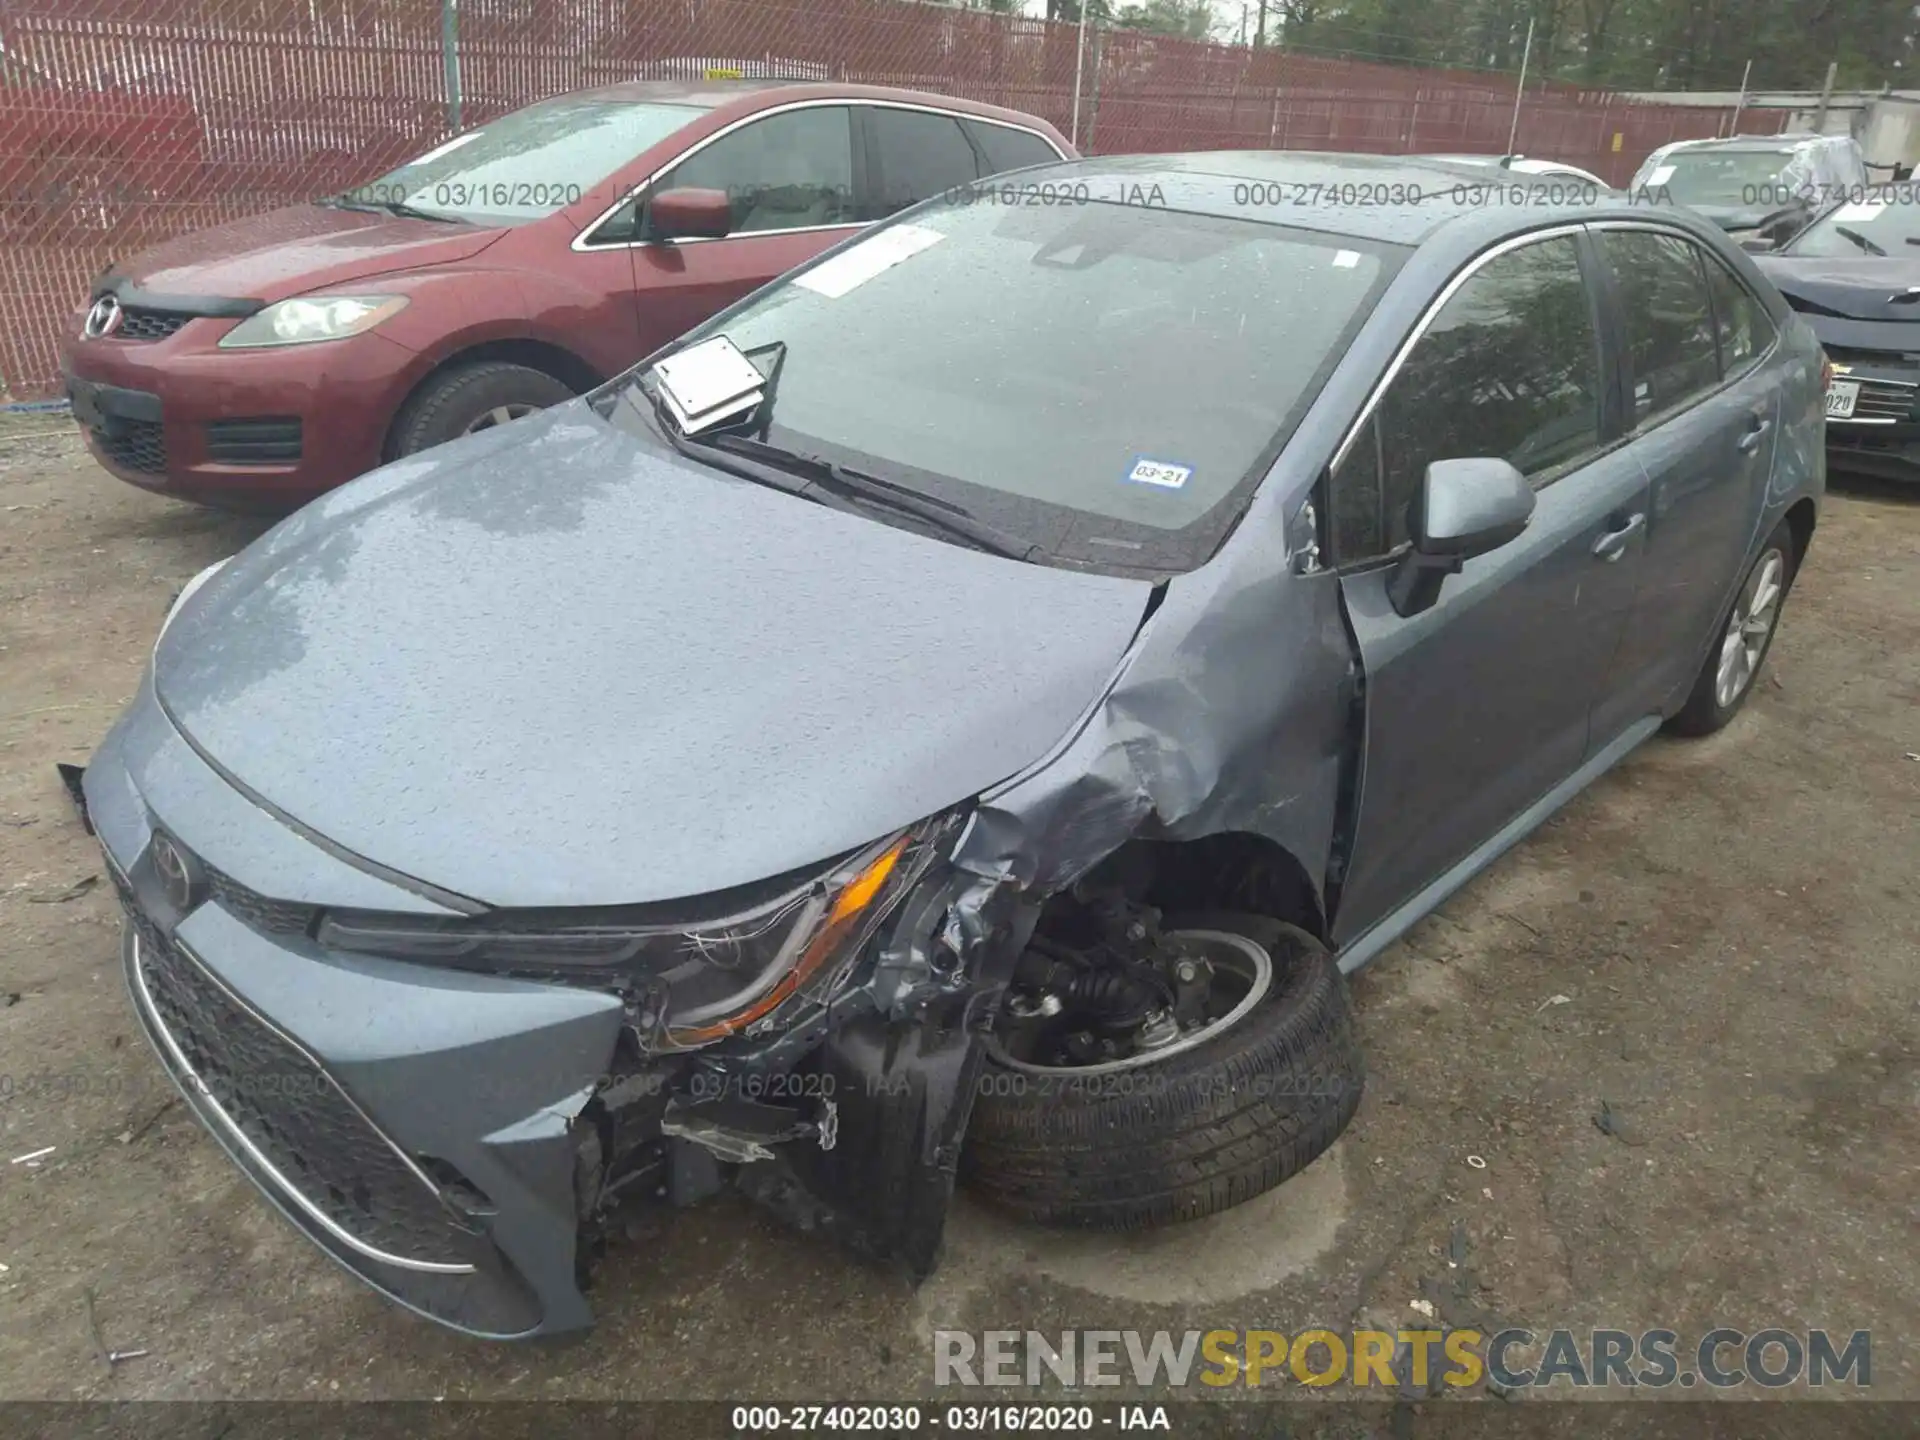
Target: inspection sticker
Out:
[853,267]
[1164,473]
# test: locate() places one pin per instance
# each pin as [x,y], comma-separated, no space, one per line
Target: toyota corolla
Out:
[956,714]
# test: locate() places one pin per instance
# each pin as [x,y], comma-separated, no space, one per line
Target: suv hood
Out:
[301,248]
[1870,288]
[555,664]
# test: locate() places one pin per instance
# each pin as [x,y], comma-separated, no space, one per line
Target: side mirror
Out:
[1465,508]
[687,213]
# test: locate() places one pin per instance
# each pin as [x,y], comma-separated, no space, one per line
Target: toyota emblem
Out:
[177,878]
[103,319]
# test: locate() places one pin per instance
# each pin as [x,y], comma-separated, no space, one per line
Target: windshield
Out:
[1886,219]
[526,165]
[1742,178]
[1098,379]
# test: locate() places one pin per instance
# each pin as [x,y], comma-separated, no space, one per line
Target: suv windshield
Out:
[1886,221]
[1104,381]
[1719,177]
[526,165]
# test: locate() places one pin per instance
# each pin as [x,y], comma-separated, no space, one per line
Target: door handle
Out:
[1757,428]
[1612,545]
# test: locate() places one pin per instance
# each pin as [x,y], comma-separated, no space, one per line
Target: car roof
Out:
[762,93]
[1365,196]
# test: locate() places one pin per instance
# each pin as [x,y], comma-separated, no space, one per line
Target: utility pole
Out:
[1260,35]
[1513,135]
[1826,97]
[1079,65]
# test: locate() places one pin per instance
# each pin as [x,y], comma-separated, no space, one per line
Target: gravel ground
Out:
[1720,941]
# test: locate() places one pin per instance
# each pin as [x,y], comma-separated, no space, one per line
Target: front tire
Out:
[1196,1133]
[1740,648]
[472,398]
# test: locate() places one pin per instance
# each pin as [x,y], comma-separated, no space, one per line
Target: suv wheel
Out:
[472,398]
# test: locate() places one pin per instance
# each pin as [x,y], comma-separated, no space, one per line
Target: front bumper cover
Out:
[426,1127]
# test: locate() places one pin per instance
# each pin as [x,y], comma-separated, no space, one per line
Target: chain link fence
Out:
[126,122]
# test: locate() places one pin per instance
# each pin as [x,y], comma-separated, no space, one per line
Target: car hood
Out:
[552,664]
[301,248]
[1870,288]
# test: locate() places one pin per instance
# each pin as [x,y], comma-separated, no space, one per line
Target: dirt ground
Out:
[1720,941]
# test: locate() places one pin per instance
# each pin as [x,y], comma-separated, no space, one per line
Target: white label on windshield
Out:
[1859,210]
[1164,473]
[852,268]
[451,145]
[1660,175]
[1346,259]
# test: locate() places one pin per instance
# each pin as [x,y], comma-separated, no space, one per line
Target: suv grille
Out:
[292,1112]
[269,440]
[1884,400]
[140,324]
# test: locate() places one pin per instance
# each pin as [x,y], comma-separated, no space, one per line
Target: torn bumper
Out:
[414,1123]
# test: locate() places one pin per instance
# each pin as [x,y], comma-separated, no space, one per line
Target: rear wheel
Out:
[472,398]
[1119,1097]
[1727,675]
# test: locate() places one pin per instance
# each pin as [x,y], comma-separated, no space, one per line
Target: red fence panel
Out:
[124,122]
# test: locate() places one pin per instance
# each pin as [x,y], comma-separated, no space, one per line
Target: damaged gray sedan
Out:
[955,715]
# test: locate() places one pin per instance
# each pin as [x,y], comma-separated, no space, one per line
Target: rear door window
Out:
[1010,149]
[914,155]
[1744,328]
[1673,350]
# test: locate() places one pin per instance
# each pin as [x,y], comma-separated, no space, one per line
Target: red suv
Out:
[260,363]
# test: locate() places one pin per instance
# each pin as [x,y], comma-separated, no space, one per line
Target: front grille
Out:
[1884,400]
[292,1113]
[270,917]
[267,440]
[142,324]
[134,445]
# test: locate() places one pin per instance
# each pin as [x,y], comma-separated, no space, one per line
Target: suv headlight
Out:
[718,977]
[308,319]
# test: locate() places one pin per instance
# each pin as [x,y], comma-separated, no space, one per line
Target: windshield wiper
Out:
[398,208]
[1857,238]
[847,483]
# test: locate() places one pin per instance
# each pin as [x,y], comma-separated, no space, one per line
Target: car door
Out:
[1478,706]
[1705,415]
[790,176]
[914,154]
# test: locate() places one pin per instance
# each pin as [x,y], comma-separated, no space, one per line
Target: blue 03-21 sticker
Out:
[1164,473]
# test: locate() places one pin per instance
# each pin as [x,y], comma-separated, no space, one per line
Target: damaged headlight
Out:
[707,981]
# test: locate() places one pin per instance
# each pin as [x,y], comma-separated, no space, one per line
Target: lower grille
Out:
[291,1112]
[268,440]
[134,445]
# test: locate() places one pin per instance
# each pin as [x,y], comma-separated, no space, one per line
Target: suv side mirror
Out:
[688,213]
[1465,508]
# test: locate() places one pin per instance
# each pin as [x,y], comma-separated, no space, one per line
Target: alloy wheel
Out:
[1750,626]
[500,415]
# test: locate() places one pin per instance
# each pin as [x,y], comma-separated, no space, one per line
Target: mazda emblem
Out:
[176,873]
[102,320]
